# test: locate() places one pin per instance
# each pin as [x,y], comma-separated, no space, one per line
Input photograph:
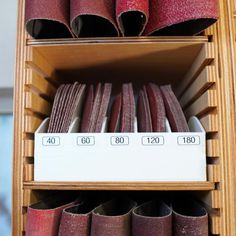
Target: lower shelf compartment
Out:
[145,186]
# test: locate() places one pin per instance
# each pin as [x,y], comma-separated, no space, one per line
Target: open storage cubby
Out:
[198,69]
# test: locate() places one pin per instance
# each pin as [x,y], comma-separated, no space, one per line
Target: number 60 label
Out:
[86,141]
[189,140]
[51,141]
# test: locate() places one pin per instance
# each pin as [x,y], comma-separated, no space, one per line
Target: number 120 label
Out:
[152,140]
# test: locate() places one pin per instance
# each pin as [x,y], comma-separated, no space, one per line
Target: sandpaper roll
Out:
[125,112]
[152,218]
[181,17]
[144,114]
[76,220]
[59,101]
[55,108]
[48,19]
[132,16]
[87,110]
[114,124]
[61,109]
[65,108]
[189,218]
[74,106]
[174,111]
[157,107]
[112,218]
[93,18]
[68,107]
[132,107]
[43,218]
[95,110]
[106,93]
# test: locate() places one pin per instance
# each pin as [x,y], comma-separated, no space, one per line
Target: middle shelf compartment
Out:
[188,64]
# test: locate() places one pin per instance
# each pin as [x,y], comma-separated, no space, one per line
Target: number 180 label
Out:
[189,140]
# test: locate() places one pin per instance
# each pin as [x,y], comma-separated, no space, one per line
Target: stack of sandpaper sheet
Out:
[98,110]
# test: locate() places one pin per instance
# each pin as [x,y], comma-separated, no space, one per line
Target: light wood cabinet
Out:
[200,70]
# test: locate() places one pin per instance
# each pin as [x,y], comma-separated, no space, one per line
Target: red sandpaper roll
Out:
[181,17]
[93,18]
[132,16]
[174,111]
[55,108]
[114,125]
[106,93]
[125,112]
[43,218]
[157,108]
[88,107]
[48,19]
[96,106]
[144,115]
[76,220]
[132,107]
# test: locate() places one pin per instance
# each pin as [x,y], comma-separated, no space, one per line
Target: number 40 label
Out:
[51,141]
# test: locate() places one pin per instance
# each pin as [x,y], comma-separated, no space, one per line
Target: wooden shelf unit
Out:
[200,69]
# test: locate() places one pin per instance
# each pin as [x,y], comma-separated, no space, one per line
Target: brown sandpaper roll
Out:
[174,111]
[112,218]
[189,218]
[88,106]
[48,19]
[125,113]
[93,18]
[95,110]
[132,107]
[144,115]
[62,109]
[68,107]
[55,108]
[157,107]
[65,108]
[132,16]
[152,218]
[59,103]
[128,109]
[181,17]
[74,106]
[43,218]
[114,124]
[76,220]
[106,93]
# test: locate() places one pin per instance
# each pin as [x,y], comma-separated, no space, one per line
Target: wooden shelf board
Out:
[164,186]
[142,39]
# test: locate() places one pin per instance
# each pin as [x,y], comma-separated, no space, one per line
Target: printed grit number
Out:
[51,141]
[189,140]
[86,141]
[119,140]
[152,140]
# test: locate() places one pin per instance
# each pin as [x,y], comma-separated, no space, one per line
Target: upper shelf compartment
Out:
[151,58]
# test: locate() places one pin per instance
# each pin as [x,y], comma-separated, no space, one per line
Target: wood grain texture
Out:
[145,186]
